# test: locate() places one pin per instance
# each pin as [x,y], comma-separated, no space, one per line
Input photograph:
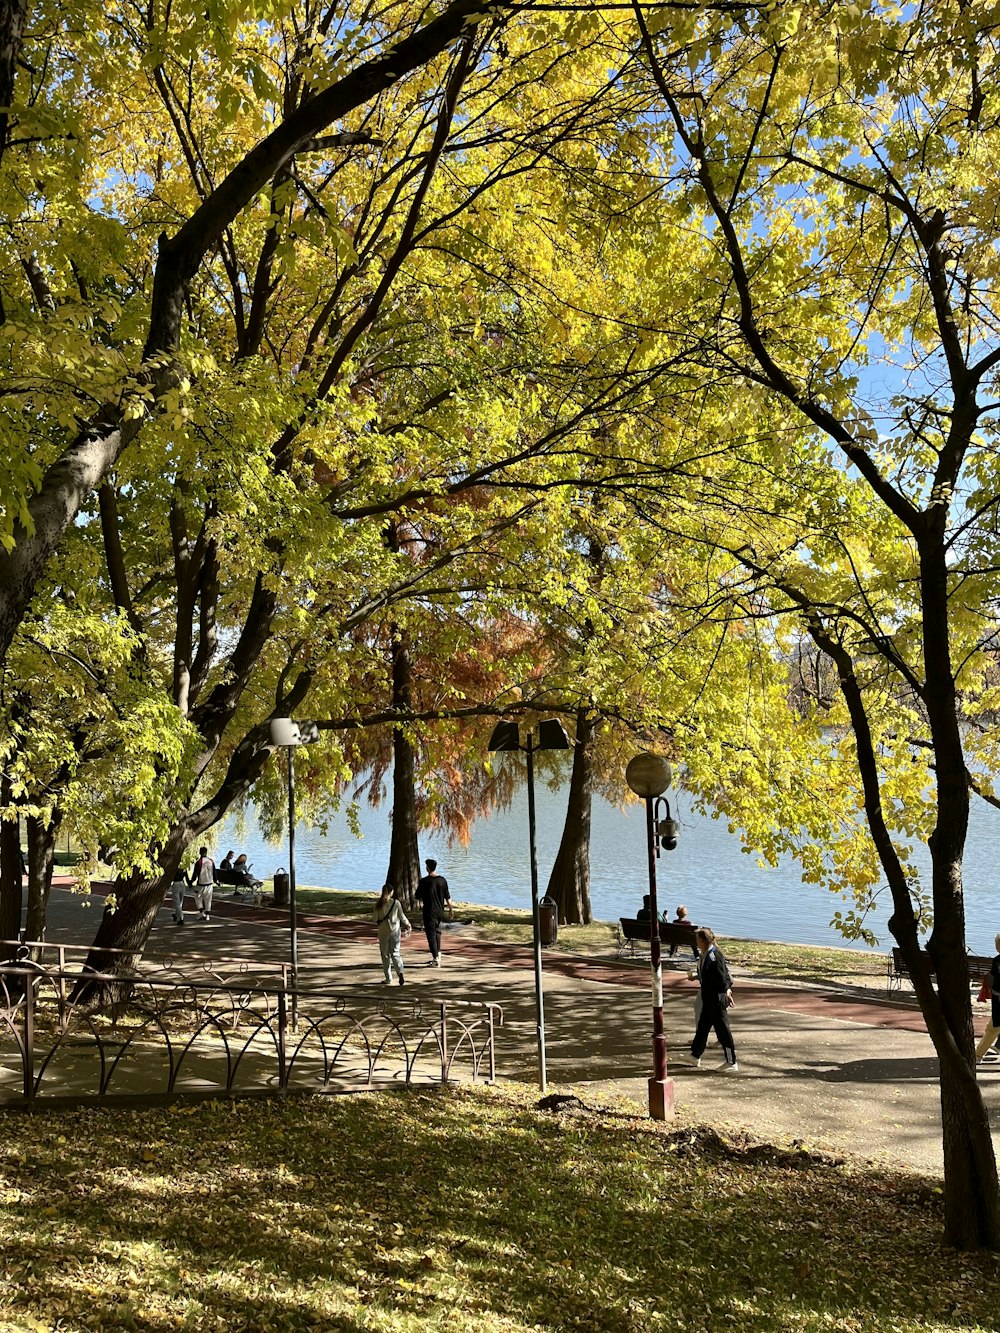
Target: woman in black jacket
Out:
[716,998]
[993,1026]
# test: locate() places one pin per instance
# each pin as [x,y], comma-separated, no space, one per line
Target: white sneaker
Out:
[691,1060]
[728,1068]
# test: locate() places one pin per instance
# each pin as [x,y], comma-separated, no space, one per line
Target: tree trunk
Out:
[125,926]
[404,856]
[13,14]
[970,1171]
[971,1193]
[569,883]
[10,865]
[41,859]
[121,937]
[971,1187]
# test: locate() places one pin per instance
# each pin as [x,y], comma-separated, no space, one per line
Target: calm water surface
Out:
[721,885]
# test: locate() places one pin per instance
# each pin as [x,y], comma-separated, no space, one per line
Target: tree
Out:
[252,563]
[840,169]
[45,496]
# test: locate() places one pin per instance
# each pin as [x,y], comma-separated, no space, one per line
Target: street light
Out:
[551,736]
[285,731]
[649,776]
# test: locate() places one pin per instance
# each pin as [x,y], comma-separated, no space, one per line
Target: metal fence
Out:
[264,971]
[171,1038]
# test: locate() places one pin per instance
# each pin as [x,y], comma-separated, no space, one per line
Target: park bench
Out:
[630,930]
[246,884]
[897,970]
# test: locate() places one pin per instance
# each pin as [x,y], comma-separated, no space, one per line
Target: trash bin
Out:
[548,920]
[281,887]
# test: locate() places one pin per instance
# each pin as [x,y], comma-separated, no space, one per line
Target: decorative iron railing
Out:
[194,1038]
[181,969]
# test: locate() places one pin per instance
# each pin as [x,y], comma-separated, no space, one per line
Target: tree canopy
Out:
[657,345]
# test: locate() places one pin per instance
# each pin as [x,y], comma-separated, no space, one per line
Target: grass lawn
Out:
[780,962]
[460,1210]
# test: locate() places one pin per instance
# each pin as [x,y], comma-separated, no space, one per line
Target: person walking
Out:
[716,998]
[178,888]
[392,926]
[204,881]
[993,1026]
[434,900]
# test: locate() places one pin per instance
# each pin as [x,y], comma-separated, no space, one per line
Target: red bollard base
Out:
[661,1098]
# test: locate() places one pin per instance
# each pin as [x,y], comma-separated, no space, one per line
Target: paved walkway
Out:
[838,1070]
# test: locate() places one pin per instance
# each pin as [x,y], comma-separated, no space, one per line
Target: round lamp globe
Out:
[648,775]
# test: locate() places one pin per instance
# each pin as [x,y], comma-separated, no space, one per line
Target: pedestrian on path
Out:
[993,1026]
[434,900]
[392,926]
[204,880]
[716,997]
[178,888]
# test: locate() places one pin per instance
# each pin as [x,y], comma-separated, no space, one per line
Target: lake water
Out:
[721,885]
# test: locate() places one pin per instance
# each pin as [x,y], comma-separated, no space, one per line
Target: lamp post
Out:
[551,736]
[288,733]
[649,776]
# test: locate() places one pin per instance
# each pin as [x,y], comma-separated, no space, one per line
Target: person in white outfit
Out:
[204,883]
[392,926]
[177,890]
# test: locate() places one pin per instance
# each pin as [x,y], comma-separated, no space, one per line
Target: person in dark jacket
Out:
[435,900]
[993,1026]
[716,998]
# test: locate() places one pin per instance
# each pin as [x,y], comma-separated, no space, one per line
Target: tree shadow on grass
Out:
[398,1210]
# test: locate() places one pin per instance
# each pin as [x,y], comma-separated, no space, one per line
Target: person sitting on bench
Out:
[227,861]
[682,919]
[643,913]
[241,869]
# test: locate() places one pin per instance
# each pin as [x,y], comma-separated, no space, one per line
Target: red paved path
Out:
[872,1010]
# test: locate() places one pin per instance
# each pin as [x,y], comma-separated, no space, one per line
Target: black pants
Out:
[713,1015]
[432,929]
